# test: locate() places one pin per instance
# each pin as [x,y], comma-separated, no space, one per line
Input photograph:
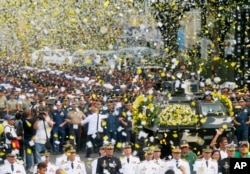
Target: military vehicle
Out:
[185,115]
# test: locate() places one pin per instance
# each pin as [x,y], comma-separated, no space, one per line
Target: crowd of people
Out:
[42,109]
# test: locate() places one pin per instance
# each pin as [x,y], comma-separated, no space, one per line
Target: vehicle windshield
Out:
[211,108]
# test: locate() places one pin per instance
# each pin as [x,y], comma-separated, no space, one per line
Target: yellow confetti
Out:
[28,151]
[105,138]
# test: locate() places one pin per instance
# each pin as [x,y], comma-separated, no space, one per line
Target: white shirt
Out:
[201,168]
[51,169]
[223,154]
[11,129]
[79,167]
[161,164]
[147,167]
[63,158]
[92,120]
[40,131]
[172,165]
[18,169]
[131,166]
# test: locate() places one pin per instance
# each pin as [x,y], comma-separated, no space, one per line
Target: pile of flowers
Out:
[178,114]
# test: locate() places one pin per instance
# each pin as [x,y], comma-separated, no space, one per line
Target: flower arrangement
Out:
[225,101]
[178,114]
[144,111]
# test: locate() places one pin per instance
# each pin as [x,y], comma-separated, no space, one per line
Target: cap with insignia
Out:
[207,149]
[184,143]
[127,145]
[231,147]
[148,151]
[11,155]
[243,143]
[241,99]
[72,150]
[176,149]
[157,149]
[109,146]
[45,153]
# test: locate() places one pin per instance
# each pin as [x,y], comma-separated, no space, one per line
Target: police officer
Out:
[148,166]
[102,153]
[241,121]
[3,104]
[64,157]
[224,164]
[176,163]
[51,168]
[75,117]
[11,166]
[73,165]
[128,161]
[206,165]
[109,163]
[157,158]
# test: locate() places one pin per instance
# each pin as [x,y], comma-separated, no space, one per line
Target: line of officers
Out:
[107,163]
[178,163]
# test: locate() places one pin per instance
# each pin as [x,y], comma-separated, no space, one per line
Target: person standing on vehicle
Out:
[242,121]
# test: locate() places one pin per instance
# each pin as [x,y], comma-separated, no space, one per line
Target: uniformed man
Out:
[64,157]
[242,121]
[3,104]
[51,168]
[187,154]
[148,166]
[109,163]
[72,165]
[11,167]
[12,105]
[128,161]
[243,150]
[75,117]
[206,165]
[176,163]
[224,164]
[102,153]
[157,158]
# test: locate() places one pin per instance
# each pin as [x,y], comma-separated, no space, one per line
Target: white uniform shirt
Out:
[147,167]
[63,158]
[92,120]
[18,169]
[161,164]
[172,164]
[129,167]
[51,169]
[201,168]
[78,167]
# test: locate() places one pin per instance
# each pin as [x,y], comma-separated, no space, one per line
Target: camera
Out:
[40,115]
